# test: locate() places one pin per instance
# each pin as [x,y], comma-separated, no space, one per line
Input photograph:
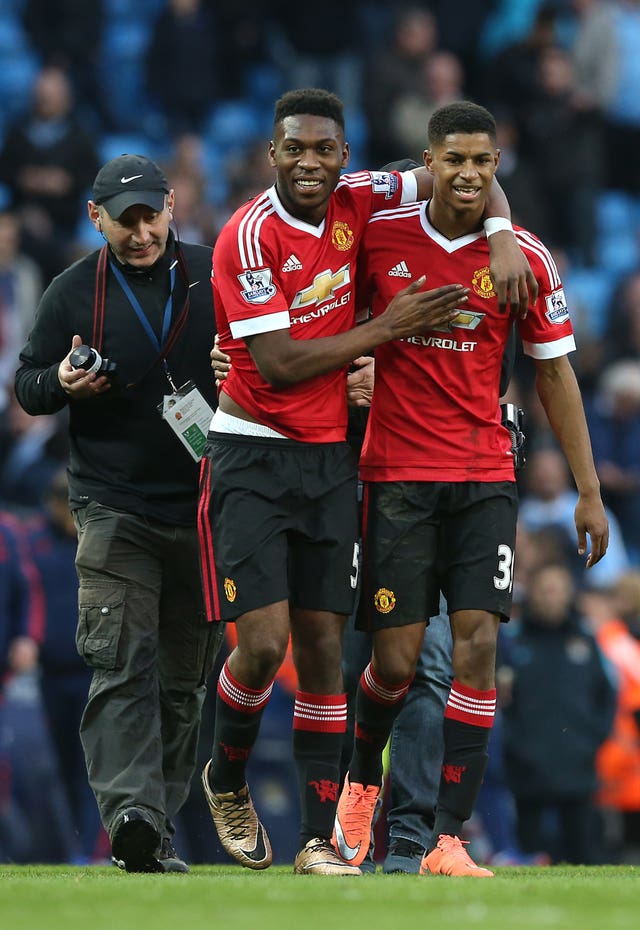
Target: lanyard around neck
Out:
[99,302]
[158,344]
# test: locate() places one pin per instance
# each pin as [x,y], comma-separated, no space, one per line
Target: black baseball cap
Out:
[127,180]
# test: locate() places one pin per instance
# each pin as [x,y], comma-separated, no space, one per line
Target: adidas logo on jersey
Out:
[292,264]
[399,271]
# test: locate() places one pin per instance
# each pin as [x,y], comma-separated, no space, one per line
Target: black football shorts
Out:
[277,521]
[420,538]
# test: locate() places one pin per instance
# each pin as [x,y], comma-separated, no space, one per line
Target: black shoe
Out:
[403,856]
[134,842]
[169,858]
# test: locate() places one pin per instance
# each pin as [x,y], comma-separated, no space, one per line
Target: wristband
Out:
[494,224]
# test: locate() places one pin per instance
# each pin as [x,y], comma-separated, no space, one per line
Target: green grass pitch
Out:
[232,898]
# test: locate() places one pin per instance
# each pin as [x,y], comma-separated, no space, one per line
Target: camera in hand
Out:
[513,419]
[91,361]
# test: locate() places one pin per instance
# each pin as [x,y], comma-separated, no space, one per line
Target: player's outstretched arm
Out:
[282,360]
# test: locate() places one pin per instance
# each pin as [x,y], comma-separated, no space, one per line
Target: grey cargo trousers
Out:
[142,629]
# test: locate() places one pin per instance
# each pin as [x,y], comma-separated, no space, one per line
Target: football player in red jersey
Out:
[440,500]
[277,516]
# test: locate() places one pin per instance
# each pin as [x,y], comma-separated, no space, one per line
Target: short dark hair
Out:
[461,116]
[311,101]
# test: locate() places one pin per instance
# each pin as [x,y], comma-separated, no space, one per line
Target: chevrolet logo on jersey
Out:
[466,319]
[324,286]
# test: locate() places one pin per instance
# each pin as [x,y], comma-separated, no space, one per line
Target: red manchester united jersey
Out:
[435,413]
[272,271]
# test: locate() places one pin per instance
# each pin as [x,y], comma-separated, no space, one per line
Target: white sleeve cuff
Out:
[409,187]
[240,329]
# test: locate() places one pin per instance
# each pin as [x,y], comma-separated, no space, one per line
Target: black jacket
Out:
[122,453]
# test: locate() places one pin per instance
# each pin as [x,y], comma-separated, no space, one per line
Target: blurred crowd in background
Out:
[191,84]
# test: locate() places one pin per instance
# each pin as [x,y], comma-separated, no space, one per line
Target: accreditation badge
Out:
[189,415]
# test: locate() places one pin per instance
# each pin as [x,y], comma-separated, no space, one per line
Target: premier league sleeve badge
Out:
[257,285]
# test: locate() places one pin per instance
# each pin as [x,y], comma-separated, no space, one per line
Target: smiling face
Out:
[308,153]
[463,166]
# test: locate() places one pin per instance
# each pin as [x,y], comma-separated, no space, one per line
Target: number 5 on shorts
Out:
[356,566]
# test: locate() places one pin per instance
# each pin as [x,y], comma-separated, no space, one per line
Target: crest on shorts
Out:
[342,236]
[482,283]
[230,589]
[384,600]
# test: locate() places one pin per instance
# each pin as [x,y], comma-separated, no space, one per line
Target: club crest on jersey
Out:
[342,236]
[230,589]
[384,183]
[384,600]
[482,283]
[257,286]
[557,310]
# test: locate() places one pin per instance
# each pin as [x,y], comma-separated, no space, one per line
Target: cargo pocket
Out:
[100,616]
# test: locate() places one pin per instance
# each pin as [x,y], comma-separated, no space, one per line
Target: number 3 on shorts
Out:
[503,581]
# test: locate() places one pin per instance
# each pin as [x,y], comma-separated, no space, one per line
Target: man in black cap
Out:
[132,323]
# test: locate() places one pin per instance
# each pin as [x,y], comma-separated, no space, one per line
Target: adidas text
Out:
[399,271]
[292,264]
